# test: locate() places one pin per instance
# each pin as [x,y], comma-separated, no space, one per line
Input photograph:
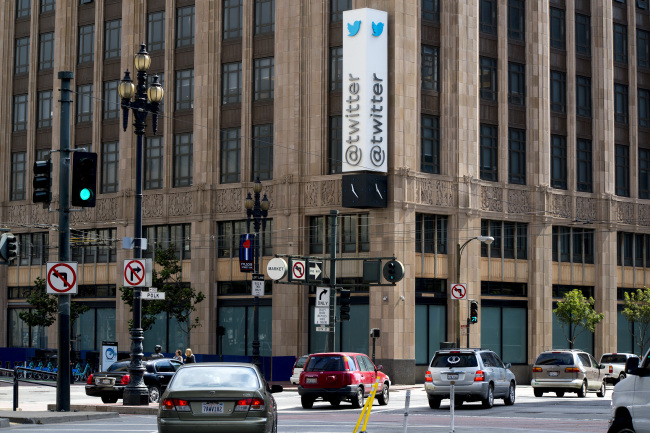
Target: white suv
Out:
[631,399]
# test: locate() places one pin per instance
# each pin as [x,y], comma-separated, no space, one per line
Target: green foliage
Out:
[576,311]
[637,312]
[46,307]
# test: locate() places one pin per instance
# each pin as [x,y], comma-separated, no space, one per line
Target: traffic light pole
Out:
[331,336]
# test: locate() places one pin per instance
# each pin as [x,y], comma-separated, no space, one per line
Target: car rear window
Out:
[613,359]
[300,363]
[202,377]
[554,359]
[119,366]
[449,360]
[325,363]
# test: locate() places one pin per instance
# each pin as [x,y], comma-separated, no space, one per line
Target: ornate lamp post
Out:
[257,211]
[486,240]
[141,101]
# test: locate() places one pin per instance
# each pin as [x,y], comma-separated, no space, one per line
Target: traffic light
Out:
[393,271]
[345,304]
[8,247]
[473,312]
[84,179]
[42,182]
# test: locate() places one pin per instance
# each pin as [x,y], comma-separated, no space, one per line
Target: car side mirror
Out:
[276,388]
[600,367]
[379,367]
[631,365]
[508,365]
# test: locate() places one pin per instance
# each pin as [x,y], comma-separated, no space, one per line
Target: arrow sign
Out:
[62,278]
[134,273]
[315,270]
[323,297]
[458,291]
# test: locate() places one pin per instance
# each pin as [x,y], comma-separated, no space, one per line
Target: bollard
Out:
[452,403]
[15,389]
[406,408]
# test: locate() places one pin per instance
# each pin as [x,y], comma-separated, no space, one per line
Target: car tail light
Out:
[246,404]
[330,379]
[257,404]
[345,363]
[90,380]
[125,379]
[480,376]
[572,370]
[427,377]
[611,369]
[180,405]
[537,369]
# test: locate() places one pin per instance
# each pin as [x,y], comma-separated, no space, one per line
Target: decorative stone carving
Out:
[153,205]
[288,178]
[311,195]
[444,193]
[17,214]
[228,200]
[107,209]
[625,212]
[87,215]
[268,190]
[492,198]
[518,201]
[403,171]
[562,206]
[331,193]
[39,215]
[424,191]
[181,204]
[435,192]
[644,215]
[586,208]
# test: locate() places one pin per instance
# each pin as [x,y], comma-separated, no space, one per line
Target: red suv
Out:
[341,376]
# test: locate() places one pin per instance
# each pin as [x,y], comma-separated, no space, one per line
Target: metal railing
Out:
[24,374]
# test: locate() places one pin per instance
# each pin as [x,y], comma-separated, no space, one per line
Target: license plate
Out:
[553,373]
[212,407]
[452,376]
[311,380]
[104,381]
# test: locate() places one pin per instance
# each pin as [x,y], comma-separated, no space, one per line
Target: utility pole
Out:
[333,239]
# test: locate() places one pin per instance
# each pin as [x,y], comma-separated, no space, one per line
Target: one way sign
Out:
[323,297]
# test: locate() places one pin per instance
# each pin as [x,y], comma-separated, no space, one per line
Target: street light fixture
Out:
[486,240]
[256,211]
[141,101]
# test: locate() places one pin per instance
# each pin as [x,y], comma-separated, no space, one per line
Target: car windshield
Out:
[613,359]
[552,358]
[210,376]
[451,360]
[325,363]
[119,367]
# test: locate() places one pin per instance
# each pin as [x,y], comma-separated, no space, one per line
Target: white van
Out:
[631,399]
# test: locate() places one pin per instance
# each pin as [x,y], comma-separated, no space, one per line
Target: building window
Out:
[558,91]
[263,152]
[156,31]
[86,46]
[185,89]
[153,162]
[431,10]
[110,167]
[23,8]
[95,246]
[230,155]
[583,34]
[583,97]
[18,173]
[20,113]
[510,239]
[644,108]
[488,16]
[336,144]
[631,248]
[643,48]
[644,173]
[502,288]
[584,165]
[430,323]
[229,233]
[44,109]
[489,153]
[620,43]
[20,334]
[516,83]
[112,39]
[430,68]
[558,162]
[622,159]
[488,71]
[336,68]
[231,83]
[620,103]
[47,6]
[642,4]
[263,79]
[353,234]
[557,34]
[504,331]
[517,156]
[431,233]
[164,236]
[111,100]
[46,51]
[573,244]
[336,9]
[183,159]
[185,26]
[264,16]
[232,19]
[430,144]
[84,103]
[516,20]
[21,56]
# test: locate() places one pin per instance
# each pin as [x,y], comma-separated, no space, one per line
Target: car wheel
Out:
[307,403]
[510,398]
[582,392]
[559,393]
[109,399]
[357,400]
[621,376]
[458,402]
[434,403]
[489,401]
[154,393]
[621,425]
[383,397]
[335,402]
[602,391]
[275,426]
[538,392]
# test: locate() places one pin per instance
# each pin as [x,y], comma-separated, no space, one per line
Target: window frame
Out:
[86,44]
[557,21]
[336,9]
[231,73]
[621,107]
[644,173]
[583,34]
[559,162]
[263,79]
[430,144]
[110,167]
[185,26]
[46,51]
[112,39]
[154,152]
[619,39]
[21,56]
[622,163]
[489,153]
[84,112]
[584,165]
[112,101]
[20,115]
[336,69]
[45,109]
[232,19]
[430,68]
[156,31]
[335,144]
[583,96]
[488,78]
[488,17]
[517,84]
[230,155]
[184,89]
[517,156]
[262,152]
[183,159]
[517,20]
[264,23]
[18,187]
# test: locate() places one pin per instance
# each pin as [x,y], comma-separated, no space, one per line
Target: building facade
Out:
[526,120]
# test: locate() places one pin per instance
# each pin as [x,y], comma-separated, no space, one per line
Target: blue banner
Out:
[246,251]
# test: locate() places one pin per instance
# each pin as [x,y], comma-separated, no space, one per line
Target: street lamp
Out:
[141,101]
[486,240]
[257,211]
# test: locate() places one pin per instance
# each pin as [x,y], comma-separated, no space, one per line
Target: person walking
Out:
[189,356]
[157,352]
[178,356]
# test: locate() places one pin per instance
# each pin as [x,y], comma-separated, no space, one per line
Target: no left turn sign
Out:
[298,270]
[134,273]
[62,278]
[459,291]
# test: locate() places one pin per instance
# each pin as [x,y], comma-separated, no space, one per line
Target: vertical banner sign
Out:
[365,90]
[246,249]
[109,354]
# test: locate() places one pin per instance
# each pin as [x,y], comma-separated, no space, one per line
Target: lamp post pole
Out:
[257,211]
[141,101]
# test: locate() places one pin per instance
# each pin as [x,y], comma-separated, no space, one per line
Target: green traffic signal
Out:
[85,194]
[84,179]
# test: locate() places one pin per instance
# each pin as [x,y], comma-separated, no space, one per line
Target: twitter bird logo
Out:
[354,28]
[377,29]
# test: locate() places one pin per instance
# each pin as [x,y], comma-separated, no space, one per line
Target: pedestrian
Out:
[157,352]
[189,357]
[178,356]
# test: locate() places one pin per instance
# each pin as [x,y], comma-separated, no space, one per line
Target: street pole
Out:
[63,357]
[333,239]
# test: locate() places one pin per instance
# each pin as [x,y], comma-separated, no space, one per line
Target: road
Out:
[530,414]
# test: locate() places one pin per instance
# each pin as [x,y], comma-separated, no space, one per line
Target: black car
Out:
[110,384]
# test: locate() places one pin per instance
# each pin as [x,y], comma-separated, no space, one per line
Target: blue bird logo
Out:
[377,28]
[354,28]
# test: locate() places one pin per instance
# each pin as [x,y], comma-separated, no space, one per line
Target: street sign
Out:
[323,297]
[321,316]
[62,278]
[459,291]
[297,270]
[153,294]
[135,273]
[322,329]
[258,284]
[315,270]
[276,268]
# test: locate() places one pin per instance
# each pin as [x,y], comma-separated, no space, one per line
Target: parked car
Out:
[631,399]
[561,371]
[218,397]
[297,369]
[479,375]
[334,377]
[110,384]
[615,365]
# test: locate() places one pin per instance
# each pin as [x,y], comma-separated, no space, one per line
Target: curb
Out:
[51,417]
[112,409]
[4,422]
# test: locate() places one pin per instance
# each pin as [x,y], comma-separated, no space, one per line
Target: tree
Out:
[576,311]
[637,312]
[180,298]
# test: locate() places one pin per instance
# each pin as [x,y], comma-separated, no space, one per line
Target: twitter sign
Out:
[365,90]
